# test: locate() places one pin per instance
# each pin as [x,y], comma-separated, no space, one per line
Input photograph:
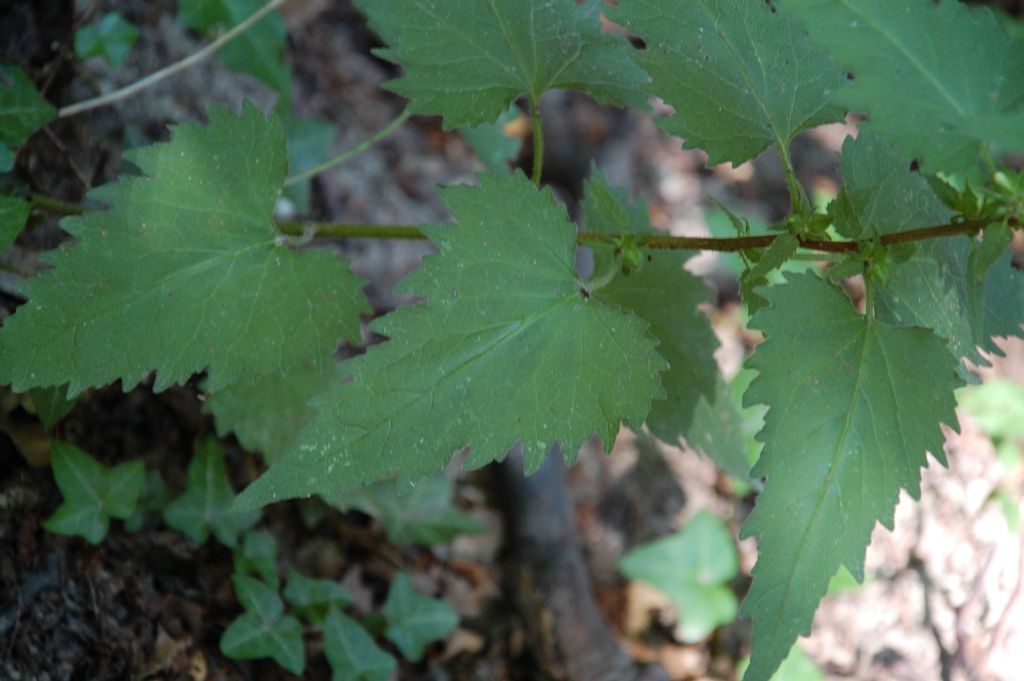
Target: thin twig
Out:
[174,68]
[353,151]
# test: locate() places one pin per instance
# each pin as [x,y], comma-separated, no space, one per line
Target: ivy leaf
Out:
[13,216]
[740,75]
[259,51]
[937,103]
[692,568]
[314,598]
[186,272]
[155,496]
[205,506]
[92,492]
[351,652]
[22,109]
[684,334]
[258,556]
[942,286]
[423,515]
[491,142]
[263,630]
[857,412]
[468,61]
[267,412]
[506,349]
[111,37]
[415,621]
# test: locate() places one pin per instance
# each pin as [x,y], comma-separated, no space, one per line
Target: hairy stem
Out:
[167,71]
[351,231]
[651,241]
[352,151]
[797,198]
[538,140]
[657,241]
[869,294]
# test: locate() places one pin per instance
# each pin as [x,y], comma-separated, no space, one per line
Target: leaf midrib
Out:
[911,58]
[854,393]
[494,345]
[168,281]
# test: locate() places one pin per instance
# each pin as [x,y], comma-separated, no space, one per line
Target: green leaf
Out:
[797,667]
[263,630]
[880,194]
[111,37]
[724,432]
[506,349]
[608,210]
[740,75]
[421,515]
[267,412]
[773,259]
[942,286]
[492,145]
[92,492]
[684,334]
[851,266]
[205,506]
[186,272]
[987,252]
[468,61]
[309,141]
[259,51]
[155,496]
[415,621]
[847,428]
[351,652]
[258,556]
[202,15]
[937,289]
[692,568]
[51,404]
[22,109]
[844,582]
[6,159]
[997,407]
[937,102]
[314,598]
[13,216]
